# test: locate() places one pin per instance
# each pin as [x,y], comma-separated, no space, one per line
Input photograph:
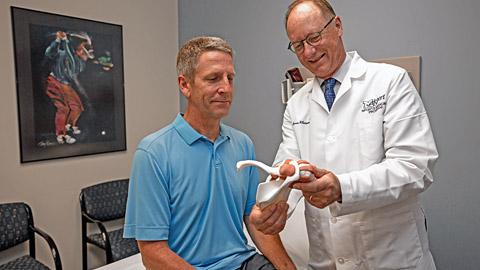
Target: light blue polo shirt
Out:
[184,188]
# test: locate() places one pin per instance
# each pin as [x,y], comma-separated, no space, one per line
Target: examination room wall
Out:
[51,188]
[443,32]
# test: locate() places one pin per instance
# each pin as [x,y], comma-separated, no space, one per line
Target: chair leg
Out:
[108,247]
[108,255]
[84,256]
[84,246]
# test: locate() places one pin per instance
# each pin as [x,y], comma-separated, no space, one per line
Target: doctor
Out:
[366,125]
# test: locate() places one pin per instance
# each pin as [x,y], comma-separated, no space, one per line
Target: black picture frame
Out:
[65,86]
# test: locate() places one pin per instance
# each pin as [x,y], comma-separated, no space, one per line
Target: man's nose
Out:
[308,50]
[226,85]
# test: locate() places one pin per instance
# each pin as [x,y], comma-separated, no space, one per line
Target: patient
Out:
[186,201]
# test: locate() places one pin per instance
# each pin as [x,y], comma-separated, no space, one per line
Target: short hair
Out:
[323,5]
[187,57]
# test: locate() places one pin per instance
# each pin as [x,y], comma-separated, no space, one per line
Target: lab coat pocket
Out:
[371,138]
[391,241]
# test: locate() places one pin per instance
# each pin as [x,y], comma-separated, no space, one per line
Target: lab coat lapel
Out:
[317,95]
[357,68]
[344,88]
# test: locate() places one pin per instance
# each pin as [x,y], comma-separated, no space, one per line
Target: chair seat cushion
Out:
[22,263]
[121,247]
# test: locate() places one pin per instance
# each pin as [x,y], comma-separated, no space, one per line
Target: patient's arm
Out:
[157,255]
[270,246]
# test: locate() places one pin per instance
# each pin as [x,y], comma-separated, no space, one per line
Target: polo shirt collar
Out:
[190,135]
[186,131]
[224,133]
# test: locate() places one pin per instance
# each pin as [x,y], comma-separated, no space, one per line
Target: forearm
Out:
[370,189]
[271,247]
[52,50]
[157,255]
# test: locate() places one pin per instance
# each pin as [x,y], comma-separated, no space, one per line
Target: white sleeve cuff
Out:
[346,189]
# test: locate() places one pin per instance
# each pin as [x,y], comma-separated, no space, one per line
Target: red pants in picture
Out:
[69,107]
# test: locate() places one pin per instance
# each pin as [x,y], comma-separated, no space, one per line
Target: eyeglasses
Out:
[312,39]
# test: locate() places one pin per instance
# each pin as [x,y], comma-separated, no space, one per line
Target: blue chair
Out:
[16,227]
[99,204]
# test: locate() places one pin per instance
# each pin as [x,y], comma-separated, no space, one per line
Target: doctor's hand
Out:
[286,169]
[323,191]
[271,219]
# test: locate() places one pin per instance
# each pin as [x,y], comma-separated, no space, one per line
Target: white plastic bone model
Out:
[270,192]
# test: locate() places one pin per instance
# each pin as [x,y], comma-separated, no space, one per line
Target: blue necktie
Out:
[329,91]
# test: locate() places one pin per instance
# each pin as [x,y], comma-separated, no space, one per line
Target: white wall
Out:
[51,188]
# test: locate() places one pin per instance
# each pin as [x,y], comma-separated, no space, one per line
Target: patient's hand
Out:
[270,220]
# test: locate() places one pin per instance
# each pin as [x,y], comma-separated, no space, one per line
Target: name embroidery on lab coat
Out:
[374,104]
[301,122]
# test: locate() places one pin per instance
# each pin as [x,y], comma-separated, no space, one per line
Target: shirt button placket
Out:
[215,157]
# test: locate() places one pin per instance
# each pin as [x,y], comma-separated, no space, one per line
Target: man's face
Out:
[327,56]
[210,92]
[84,51]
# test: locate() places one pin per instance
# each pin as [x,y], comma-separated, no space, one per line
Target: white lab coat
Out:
[377,140]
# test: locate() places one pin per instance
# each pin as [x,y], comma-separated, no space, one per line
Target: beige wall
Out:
[51,188]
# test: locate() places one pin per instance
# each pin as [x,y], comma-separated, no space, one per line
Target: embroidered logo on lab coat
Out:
[374,104]
[301,123]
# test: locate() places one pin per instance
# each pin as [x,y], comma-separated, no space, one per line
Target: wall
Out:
[52,187]
[444,33]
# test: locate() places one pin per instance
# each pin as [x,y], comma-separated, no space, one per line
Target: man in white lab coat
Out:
[365,124]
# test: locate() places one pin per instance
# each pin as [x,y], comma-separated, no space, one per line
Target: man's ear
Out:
[338,25]
[184,85]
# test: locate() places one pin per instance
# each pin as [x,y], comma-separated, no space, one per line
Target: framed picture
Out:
[70,86]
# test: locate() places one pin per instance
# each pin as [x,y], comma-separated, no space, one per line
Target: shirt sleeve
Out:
[148,207]
[410,154]
[52,49]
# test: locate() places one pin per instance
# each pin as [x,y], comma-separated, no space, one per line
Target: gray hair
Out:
[187,57]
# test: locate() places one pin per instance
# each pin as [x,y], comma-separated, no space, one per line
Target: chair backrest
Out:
[15,221]
[105,201]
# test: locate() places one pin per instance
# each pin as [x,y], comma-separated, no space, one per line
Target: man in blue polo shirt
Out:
[187,203]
